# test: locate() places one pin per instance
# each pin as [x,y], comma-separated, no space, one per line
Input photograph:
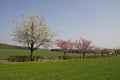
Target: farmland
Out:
[88,69]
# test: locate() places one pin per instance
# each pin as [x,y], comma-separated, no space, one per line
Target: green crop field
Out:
[87,69]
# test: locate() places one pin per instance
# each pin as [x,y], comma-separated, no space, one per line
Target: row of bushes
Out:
[40,58]
[23,58]
[72,51]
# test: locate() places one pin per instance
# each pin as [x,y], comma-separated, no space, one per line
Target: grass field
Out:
[88,69]
[5,53]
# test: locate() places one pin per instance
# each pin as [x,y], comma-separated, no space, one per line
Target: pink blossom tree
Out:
[83,46]
[65,46]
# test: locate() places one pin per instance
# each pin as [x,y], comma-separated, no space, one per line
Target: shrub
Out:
[69,57]
[55,50]
[53,58]
[23,58]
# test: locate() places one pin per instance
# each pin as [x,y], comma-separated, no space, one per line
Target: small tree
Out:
[106,51]
[96,50]
[83,46]
[32,31]
[65,46]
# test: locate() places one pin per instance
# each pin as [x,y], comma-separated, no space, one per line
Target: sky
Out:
[95,20]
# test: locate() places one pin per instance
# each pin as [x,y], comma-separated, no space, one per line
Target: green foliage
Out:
[87,69]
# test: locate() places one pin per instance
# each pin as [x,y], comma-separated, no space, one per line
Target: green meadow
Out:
[104,68]
[5,53]
[87,69]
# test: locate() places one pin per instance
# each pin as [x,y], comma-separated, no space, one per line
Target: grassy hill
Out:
[7,46]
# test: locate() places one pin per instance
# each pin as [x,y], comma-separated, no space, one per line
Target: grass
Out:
[88,69]
[5,53]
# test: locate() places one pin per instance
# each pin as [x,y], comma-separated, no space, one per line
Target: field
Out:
[107,68]
[88,69]
[5,53]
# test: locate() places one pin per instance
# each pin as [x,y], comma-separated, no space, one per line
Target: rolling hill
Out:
[8,46]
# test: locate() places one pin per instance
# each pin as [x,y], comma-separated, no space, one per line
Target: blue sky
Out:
[96,20]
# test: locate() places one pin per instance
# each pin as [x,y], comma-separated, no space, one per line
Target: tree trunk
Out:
[83,55]
[64,56]
[102,54]
[31,55]
[107,54]
[95,54]
[80,54]
[31,51]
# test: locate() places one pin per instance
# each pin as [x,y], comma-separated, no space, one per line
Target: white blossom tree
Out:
[33,31]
